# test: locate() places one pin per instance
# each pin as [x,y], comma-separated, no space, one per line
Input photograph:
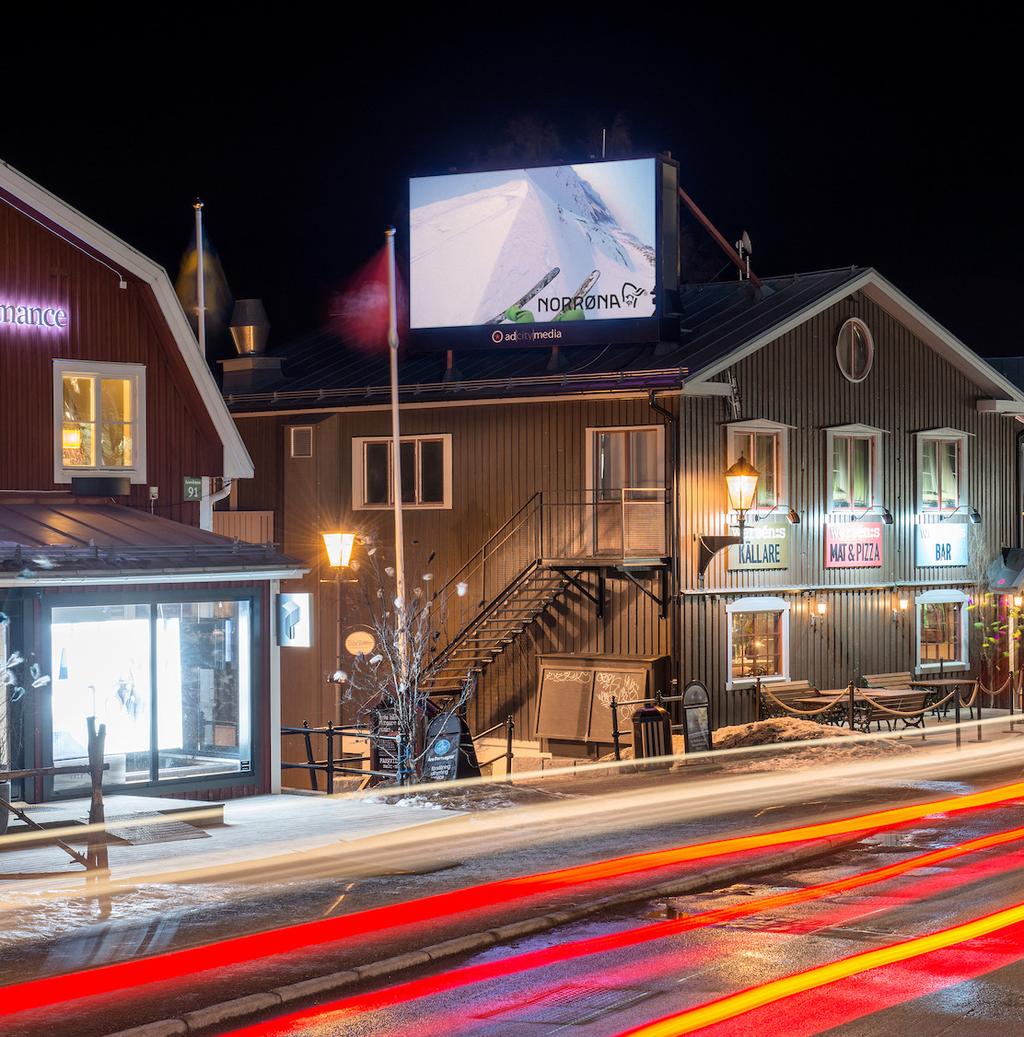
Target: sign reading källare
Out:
[853,545]
[763,547]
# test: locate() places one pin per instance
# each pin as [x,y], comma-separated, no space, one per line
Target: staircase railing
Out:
[622,523]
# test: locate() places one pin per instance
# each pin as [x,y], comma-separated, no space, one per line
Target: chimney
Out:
[251,369]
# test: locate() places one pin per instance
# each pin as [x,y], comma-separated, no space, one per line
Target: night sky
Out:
[876,143]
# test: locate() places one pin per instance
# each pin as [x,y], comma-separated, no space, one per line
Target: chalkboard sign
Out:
[384,750]
[627,687]
[696,718]
[444,744]
[564,707]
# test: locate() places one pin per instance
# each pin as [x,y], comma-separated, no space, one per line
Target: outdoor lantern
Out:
[741,481]
[1017,601]
[339,547]
[71,438]
[822,608]
[904,604]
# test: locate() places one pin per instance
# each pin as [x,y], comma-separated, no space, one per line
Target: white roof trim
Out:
[942,433]
[237,463]
[855,429]
[758,423]
[891,299]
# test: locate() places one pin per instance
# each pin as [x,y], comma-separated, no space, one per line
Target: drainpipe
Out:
[673,610]
[207,501]
[1020,488]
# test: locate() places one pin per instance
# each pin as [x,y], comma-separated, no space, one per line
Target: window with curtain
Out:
[940,474]
[853,472]
[762,450]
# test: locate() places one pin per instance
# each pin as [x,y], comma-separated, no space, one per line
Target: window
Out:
[942,630]
[301,440]
[426,472]
[855,350]
[764,445]
[941,470]
[855,468]
[99,420]
[758,640]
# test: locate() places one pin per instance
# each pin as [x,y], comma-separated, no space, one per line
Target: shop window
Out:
[854,455]
[426,472]
[99,420]
[764,445]
[855,350]
[181,711]
[941,470]
[942,630]
[758,640]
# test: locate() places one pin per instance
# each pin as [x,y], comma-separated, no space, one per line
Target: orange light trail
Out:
[127,975]
[457,978]
[768,993]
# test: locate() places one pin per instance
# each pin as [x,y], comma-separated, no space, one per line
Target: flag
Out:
[359,312]
[217,294]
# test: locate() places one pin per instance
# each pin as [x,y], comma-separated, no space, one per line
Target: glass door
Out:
[628,492]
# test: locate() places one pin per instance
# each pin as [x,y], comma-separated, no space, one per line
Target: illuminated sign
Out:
[763,547]
[942,543]
[294,629]
[853,545]
[25,315]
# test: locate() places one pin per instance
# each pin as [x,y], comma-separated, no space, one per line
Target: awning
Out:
[52,539]
[1006,570]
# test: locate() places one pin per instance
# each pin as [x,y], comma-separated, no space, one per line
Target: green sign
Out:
[763,547]
[193,487]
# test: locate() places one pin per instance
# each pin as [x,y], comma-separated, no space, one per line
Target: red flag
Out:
[359,312]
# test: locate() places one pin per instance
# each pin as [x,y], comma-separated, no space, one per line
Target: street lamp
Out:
[339,554]
[741,485]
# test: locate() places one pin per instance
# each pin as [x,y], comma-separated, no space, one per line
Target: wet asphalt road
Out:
[971,989]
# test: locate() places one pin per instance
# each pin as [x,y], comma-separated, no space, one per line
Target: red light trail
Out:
[59,989]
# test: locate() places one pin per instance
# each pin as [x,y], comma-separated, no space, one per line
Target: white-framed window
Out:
[943,631]
[854,457]
[765,444]
[99,425]
[941,469]
[300,441]
[426,472]
[758,641]
[855,350]
[626,458]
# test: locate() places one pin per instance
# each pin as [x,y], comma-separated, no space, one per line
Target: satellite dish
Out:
[745,240]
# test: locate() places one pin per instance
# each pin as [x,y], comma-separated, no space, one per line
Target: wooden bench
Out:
[890,681]
[913,702]
[787,692]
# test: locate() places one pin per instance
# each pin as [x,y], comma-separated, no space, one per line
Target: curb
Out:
[237,1009]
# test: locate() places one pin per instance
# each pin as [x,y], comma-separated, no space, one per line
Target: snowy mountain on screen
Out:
[474,254]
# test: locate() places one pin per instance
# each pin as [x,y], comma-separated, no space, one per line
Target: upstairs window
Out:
[764,445]
[855,468]
[426,472]
[99,420]
[941,470]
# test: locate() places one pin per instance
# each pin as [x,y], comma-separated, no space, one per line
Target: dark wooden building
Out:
[564,498]
[111,432]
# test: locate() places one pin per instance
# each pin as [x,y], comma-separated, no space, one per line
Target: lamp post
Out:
[339,554]
[741,480]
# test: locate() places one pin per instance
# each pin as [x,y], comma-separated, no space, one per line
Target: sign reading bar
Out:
[942,543]
[763,547]
[853,545]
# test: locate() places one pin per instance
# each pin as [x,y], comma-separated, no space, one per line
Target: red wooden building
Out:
[111,420]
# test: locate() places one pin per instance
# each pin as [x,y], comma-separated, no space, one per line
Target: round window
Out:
[855,350]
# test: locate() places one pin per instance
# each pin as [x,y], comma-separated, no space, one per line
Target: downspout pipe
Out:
[1019,497]
[674,584]
[208,500]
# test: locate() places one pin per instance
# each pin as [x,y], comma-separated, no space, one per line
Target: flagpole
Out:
[396,445]
[200,279]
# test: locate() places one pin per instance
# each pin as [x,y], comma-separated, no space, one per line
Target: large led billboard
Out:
[556,255]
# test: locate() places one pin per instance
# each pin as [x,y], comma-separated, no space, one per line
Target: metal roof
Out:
[49,538]
[321,371]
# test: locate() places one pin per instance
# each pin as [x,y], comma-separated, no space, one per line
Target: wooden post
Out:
[510,728]
[849,705]
[98,863]
[614,706]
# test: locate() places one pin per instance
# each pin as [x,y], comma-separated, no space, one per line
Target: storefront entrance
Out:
[172,681]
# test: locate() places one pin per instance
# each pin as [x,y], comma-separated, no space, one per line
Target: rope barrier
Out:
[998,691]
[875,704]
[803,712]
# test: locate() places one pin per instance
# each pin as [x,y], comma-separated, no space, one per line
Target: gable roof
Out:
[57,213]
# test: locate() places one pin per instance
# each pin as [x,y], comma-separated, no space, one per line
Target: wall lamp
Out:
[884,513]
[973,515]
[741,485]
[339,548]
[902,605]
[792,516]
[818,613]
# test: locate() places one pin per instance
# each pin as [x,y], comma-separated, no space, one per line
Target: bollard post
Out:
[511,726]
[399,762]
[330,757]
[978,693]
[757,699]
[849,705]
[97,853]
[956,714]
[310,759]
[614,706]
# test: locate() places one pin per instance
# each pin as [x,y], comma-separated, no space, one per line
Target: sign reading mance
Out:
[853,545]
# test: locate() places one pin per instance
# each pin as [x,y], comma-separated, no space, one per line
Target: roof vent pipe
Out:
[249,327]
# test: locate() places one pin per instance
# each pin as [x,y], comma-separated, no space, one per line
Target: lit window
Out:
[941,470]
[426,472]
[758,640]
[99,421]
[855,468]
[763,444]
[855,350]
[942,630]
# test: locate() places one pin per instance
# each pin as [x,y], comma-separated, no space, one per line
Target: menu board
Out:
[444,738]
[627,687]
[564,707]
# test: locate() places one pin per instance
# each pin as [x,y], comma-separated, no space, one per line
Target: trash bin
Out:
[652,732]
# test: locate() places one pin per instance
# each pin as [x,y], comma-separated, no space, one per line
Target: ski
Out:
[519,304]
[581,293]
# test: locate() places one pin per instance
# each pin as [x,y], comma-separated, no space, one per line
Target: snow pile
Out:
[770,732]
[475,254]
